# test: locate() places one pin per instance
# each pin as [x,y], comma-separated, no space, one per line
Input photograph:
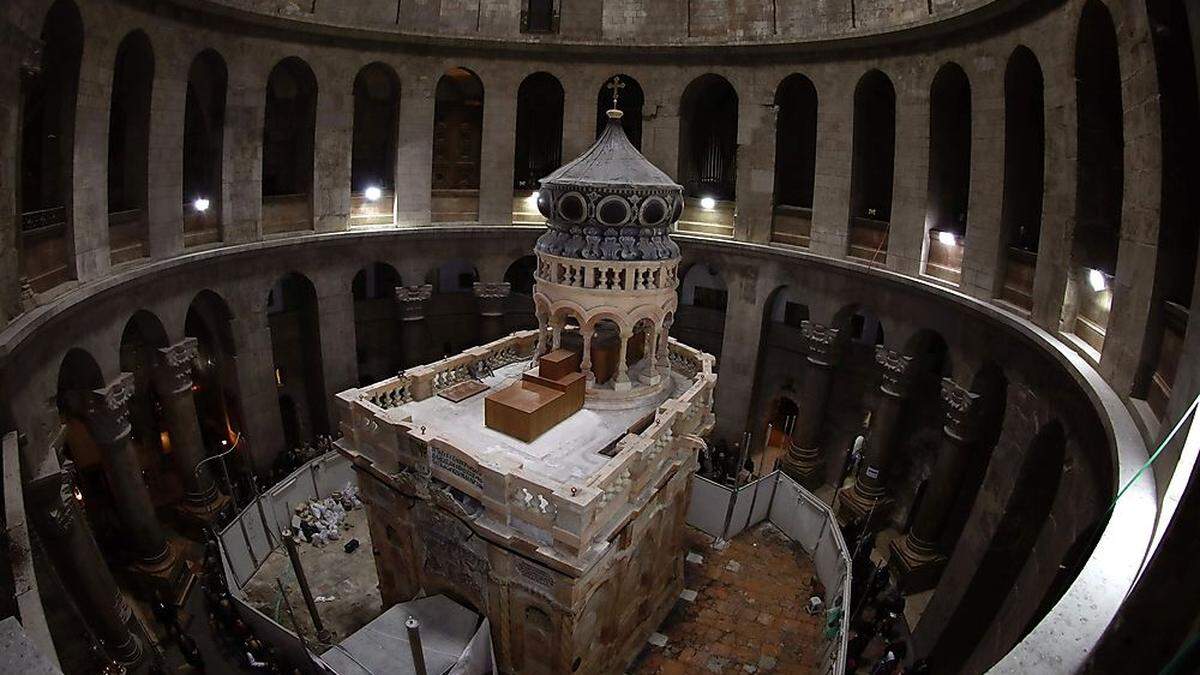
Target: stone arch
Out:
[1024,175]
[293,315]
[377,340]
[795,142]
[457,143]
[872,170]
[708,122]
[204,148]
[129,149]
[860,324]
[374,140]
[539,130]
[288,148]
[1099,176]
[520,275]
[948,187]
[47,152]
[217,389]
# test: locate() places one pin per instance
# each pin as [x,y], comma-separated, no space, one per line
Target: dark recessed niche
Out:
[572,207]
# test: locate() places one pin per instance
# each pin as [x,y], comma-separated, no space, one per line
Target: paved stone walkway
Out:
[748,614]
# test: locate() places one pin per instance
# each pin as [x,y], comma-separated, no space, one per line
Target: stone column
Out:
[915,555]
[585,364]
[803,460]
[106,414]
[172,377]
[867,494]
[414,334]
[490,298]
[650,375]
[541,337]
[81,568]
[664,342]
[621,379]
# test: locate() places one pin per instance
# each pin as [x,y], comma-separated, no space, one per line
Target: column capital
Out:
[822,344]
[491,291]
[412,301]
[419,293]
[897,371]
[54,502]
[106,410]
[172,372]
[962,411]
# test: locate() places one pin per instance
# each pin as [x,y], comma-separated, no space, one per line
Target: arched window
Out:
[872,166]
[129,149]
[539,130]
[48,149]
[457,136]
[795,160]
[539,16]
[293,318]
[376,322]
[289,131]
[203,149]
[1024,175]
[708,121]
[373,153]
[949,186]
[1100,176]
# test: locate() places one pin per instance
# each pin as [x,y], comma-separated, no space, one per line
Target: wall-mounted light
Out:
[1096,280]
[946,238]
[373,194]
[201,204]
[78,493]
[533,197]
[708,203]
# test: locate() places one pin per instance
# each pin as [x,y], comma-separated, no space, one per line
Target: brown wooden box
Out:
[558,363]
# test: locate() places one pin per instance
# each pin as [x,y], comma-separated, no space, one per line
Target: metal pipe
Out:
[414,641]
[289,543]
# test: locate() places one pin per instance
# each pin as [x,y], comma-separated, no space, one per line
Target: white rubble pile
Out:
[321,521]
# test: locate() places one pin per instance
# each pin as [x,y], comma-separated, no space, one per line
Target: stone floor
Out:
[346,585]
[747,615]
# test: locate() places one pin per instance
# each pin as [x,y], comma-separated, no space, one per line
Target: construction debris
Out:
[321,521]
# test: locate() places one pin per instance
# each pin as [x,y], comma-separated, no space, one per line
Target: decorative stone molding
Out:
[822,344]
[962,411]
[172,372]
[412,301]
[106,411]
[897,371]
[487,290]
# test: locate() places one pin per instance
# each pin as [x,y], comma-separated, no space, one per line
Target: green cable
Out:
[1161,446]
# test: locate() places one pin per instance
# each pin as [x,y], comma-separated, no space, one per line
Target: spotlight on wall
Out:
[201,204]
[947,238]
[373,194]
[533,197]
[1096,280]
[708,203]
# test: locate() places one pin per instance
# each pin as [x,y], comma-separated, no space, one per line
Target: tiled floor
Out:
[748,615]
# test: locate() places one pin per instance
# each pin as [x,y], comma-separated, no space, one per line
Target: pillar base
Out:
[167,576]
[803,466]
[853,505]
[202,514]
[915,566]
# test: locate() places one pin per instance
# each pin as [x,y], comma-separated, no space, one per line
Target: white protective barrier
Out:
[254,533]
[723,513]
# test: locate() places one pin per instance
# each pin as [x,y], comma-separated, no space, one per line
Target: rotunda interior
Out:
[598,336]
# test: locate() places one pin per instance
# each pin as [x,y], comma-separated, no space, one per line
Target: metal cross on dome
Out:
[616,85]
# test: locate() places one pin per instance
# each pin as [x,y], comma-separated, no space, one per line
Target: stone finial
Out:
[962,411]
[821,342]
[27,298]
[172,372]
[490,291]
[106,410]
[897,371]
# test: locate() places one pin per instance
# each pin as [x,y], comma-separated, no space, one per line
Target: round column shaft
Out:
[490,298]
[414,333]
[803,460]
[958,434]
[173,381]
[81,568]
[869,486]
[107,418]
